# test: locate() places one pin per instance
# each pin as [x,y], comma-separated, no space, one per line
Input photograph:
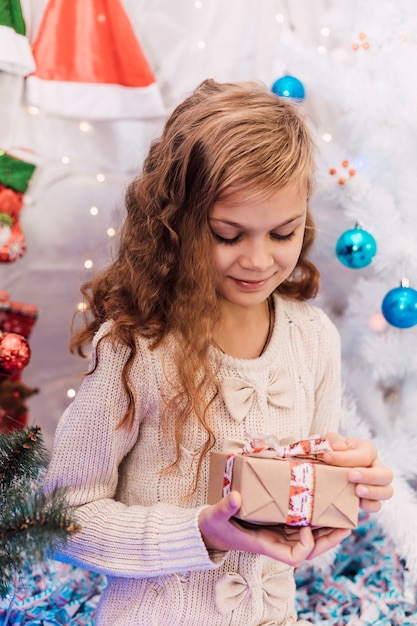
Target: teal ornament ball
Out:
[399,307]
[289,87]
[356,248]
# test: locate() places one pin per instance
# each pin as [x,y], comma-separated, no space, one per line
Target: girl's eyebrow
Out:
[236,225]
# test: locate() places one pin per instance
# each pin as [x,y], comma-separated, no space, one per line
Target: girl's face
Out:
[258,240]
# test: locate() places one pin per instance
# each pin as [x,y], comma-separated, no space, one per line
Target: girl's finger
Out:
[378,475]
[328,541]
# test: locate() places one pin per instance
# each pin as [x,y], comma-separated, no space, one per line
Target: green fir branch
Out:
[32,522]
[22,453]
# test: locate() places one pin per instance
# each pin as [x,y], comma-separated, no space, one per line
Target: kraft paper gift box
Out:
[264,485]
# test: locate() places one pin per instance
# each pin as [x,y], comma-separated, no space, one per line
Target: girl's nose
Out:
[257,256]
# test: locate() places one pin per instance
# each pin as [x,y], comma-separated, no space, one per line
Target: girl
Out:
[200,333]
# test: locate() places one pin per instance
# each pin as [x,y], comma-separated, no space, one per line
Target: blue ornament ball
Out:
[289,87]
[356,248]
[399,307]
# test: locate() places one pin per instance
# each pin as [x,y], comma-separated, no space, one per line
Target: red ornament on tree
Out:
[16,320]
[14,353]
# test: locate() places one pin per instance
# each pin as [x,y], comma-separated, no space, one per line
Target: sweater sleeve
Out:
[115,539]
[328,377]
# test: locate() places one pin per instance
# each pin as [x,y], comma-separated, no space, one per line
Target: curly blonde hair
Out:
[223,137]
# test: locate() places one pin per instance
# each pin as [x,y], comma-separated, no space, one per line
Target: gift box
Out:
[289,490]
[17,317]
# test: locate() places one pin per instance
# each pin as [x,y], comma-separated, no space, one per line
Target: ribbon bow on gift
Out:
[238,394]
[269,446]
[232,588]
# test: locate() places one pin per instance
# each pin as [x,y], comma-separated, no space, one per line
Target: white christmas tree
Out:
[360,87]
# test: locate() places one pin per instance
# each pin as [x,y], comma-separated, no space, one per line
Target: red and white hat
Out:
[90,65]
[15,53]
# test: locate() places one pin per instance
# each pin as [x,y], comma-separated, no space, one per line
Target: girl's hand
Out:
[221,532]
[373,479]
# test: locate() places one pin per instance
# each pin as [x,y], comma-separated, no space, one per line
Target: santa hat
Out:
[90,65]
[15,53]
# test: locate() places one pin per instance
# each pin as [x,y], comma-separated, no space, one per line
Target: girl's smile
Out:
[250,284]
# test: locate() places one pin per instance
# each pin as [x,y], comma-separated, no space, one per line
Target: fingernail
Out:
[232,503]
[356,476]
[362,491]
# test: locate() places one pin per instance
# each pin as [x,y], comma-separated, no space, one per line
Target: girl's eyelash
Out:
[224,240]
[237,238]
[283,237]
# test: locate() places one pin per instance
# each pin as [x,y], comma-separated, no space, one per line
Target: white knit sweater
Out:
[139,526]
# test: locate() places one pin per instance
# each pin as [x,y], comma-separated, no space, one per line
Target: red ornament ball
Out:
[14,353]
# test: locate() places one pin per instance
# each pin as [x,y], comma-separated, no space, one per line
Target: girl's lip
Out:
[250,284]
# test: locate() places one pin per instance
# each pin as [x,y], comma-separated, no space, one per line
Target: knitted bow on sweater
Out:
[238,394]
[232,588]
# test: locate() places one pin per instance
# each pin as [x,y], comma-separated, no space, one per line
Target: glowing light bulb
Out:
[81,307]
[100,178]
[327,137]
[33,110]
[325,31]
[198,4]
[377,322]
[279,18]
[88,264]
[65,160]
[85,127]
[111,232]
[71,393]
[201,44]
[93,210]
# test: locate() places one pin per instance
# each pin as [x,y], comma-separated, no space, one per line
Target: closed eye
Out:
[220,239]
[283,237]
[231,241]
